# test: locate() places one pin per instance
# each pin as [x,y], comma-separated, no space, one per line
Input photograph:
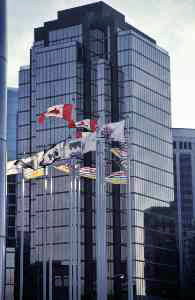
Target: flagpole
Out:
[129,215]
[78,233]
[74,230]
[45,237]
[71,246]
[101,257]
[51,238]
[22,239]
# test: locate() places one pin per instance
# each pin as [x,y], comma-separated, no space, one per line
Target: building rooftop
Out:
[94,13]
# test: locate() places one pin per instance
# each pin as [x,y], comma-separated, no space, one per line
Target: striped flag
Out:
[119,177]
[88,172]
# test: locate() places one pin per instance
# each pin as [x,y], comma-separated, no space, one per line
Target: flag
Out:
[114,131]
[31,162]
[122,155]
[87,124]
[89,142]
[88,172]
[63,111]
[119,177]
[63,168]
[33,174]
[65,150]
[54,153]
[12,168]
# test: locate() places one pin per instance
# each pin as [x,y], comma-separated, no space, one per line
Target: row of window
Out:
[56,56]
[132,88]
[56,72]
[149,126]
[130,57]
[182,145]
[152,158]
[65,33]
[148,49]
[149,111]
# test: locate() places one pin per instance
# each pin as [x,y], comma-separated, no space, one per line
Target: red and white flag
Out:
[89,124]
[63,111]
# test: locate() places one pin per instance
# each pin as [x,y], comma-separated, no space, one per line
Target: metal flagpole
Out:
[22,240]
[78,232]
[51,237]
[74,230]
[129,216]
[71,239]
[45,237]
[101,257]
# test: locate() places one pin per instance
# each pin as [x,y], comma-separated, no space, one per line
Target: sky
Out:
[170,22]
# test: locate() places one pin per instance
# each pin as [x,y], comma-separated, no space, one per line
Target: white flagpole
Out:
[78,233]
[51,238]
[74,230]
[101,255]
[71,239]
[22,240]
[45,237]
[129,216]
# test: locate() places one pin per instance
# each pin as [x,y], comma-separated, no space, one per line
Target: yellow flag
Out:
[32,174]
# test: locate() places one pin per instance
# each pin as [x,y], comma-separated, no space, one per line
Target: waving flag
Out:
[31,163]
[88,172]
[87,124]
[122,155]
[13,168]
[120,177]
[65,150]
[33,174]
[63,111]
[114,131]
[63,168]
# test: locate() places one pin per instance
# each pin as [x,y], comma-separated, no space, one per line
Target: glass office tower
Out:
[90,53]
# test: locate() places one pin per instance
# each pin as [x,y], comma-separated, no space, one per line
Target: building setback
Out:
[70,58]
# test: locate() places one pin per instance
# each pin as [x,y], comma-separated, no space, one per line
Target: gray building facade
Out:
[184,172]
[88,52]
[3,112]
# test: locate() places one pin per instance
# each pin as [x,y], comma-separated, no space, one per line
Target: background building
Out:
[88,53]
[184,172]
[12,105]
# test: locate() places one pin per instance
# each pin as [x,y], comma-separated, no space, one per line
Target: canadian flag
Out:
[63,111]
[88,124]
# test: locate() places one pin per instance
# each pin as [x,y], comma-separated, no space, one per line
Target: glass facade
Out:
[82,58]
[146,99]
